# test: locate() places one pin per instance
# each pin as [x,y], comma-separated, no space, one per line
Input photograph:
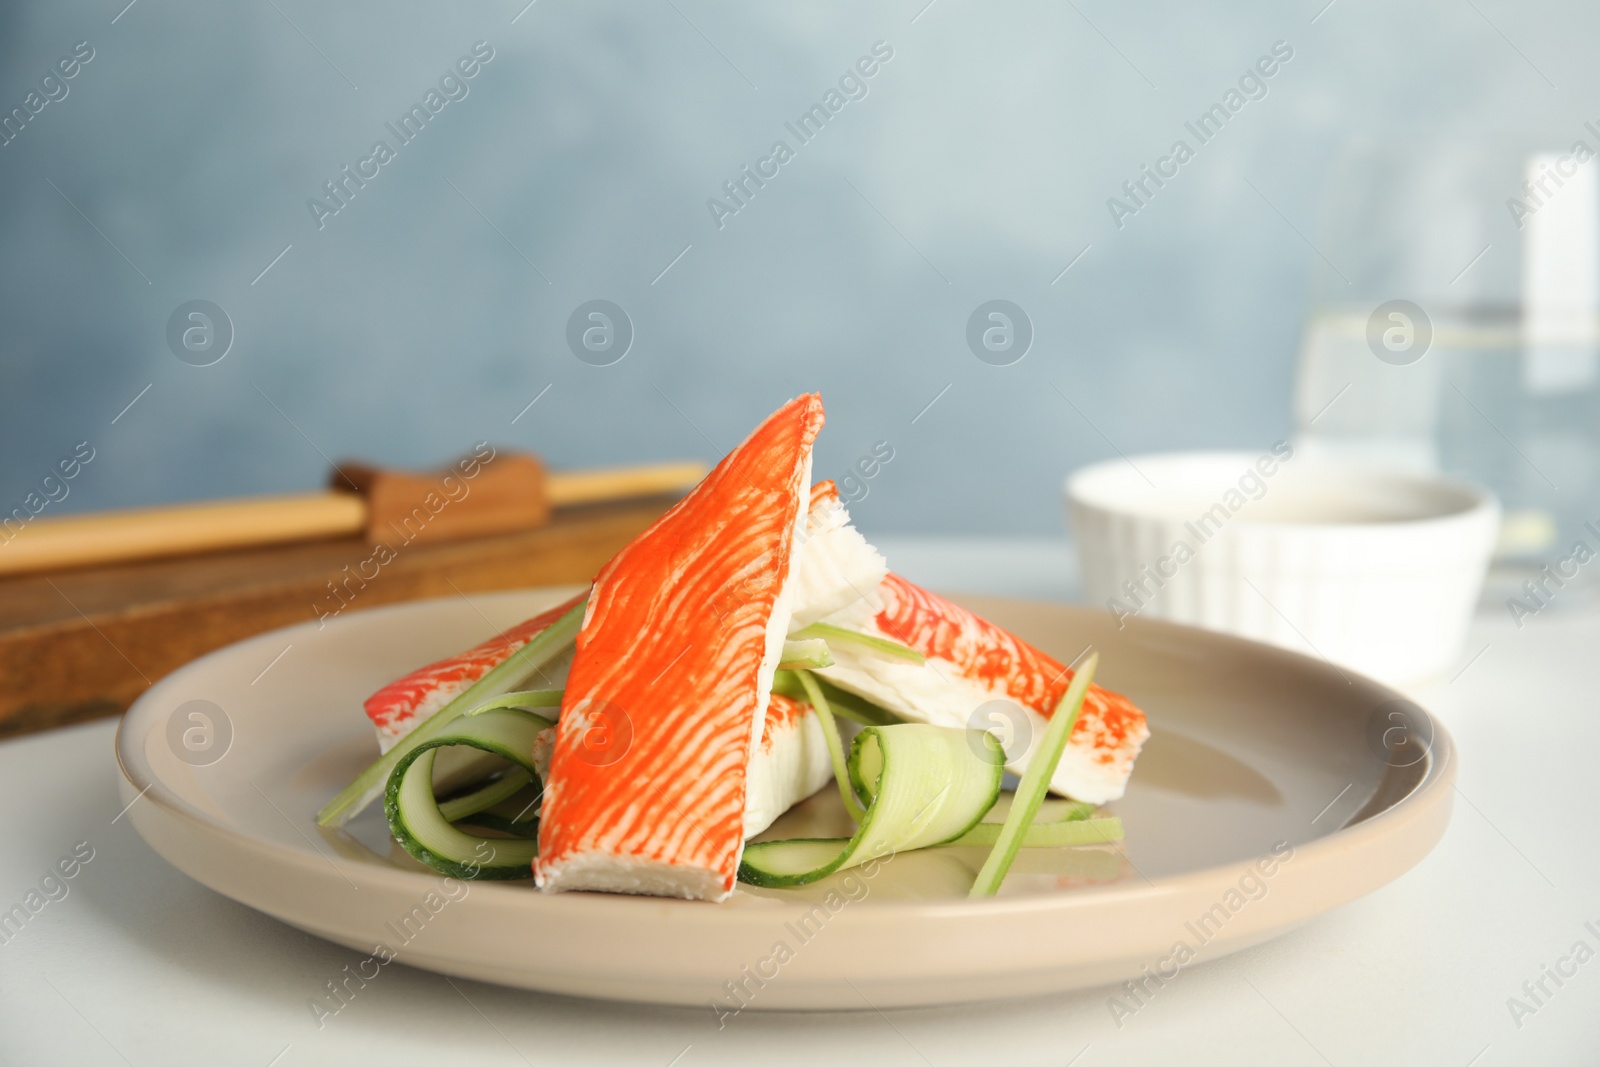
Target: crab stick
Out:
[977,675]
[667,698]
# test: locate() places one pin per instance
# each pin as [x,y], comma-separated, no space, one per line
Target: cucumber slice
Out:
[487,796]
[1035,781]
[925,785]
[1050,810]
[1050,834]
[791,862]
[461,770]
[415,818]
[799,855]
[517,815]
[843,704]
[505,677]
[805,655]
[505,824]
[865,642]
[849,792]
[527,698]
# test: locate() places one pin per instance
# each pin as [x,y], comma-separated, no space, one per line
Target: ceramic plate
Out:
[1274,787]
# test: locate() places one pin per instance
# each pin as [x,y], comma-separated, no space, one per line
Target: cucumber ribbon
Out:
[423,825]
[914,785]
[1035,783]
[806,654]
[867,643]
[514,671]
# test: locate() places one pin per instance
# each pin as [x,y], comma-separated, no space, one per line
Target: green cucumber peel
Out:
[844,705]
[420,826]
[1035,782]
[1064,811]
[486,796]
[1052,809]
[800,850]
[806,655]
[503,823]
[527,699]
[1050,834]
[517,815]
[865,642]
[830,731]
[515,670]
[926,785]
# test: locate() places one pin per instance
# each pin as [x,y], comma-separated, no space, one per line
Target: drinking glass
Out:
[1455,328]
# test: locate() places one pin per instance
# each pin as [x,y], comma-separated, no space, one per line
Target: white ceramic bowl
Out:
[1371,569]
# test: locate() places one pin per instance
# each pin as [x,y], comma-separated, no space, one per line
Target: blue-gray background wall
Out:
[427,313]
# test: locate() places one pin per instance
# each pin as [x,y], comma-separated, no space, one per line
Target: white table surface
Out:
[140,965]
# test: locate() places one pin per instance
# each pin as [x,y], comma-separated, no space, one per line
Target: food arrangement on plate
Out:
[638,738]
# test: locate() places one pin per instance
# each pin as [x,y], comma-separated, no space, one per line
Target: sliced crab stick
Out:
[402,704]
[789,764]
[977,675]
[667,698]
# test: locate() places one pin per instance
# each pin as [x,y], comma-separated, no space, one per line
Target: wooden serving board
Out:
[82,644]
